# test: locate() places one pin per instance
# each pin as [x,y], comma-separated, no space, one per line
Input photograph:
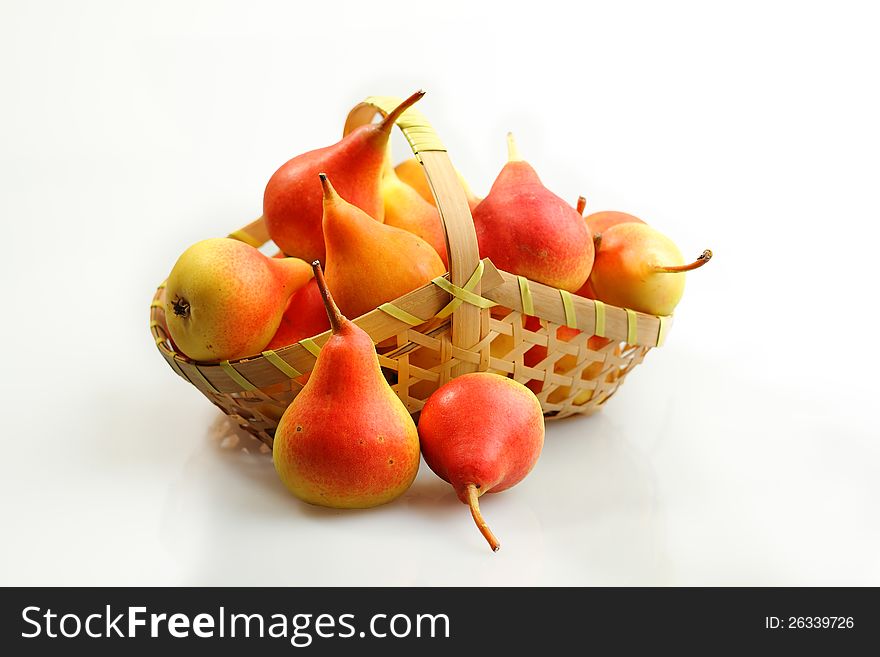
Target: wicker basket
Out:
[474,318]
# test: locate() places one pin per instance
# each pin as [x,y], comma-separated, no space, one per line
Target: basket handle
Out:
[461,238]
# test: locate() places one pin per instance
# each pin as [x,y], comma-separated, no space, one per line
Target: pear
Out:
[406,209]
[224,299]
[412,173]
[526,229]
[599,222]
[304,317]
[346,441]
[638,267]
[369,263]
[483,433]
[292,200]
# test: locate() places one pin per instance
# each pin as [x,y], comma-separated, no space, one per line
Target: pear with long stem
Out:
[638,267]
[483,433]
[292,202]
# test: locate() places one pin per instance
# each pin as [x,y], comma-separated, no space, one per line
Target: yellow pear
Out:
[412,173]
[224,299]
[406,209]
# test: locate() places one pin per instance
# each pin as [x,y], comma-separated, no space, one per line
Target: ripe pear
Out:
[483,433]
[526,229]
[638,267]
[292,200]
[412,173]
[406,209]
[224,299]
[599,222]
[304,317]
[369,263]
[346,441]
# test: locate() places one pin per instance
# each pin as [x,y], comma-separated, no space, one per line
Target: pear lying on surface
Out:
[638,267]
[526,229]
[224,299]
[346,440]
[369,263]
[482,433]
[292,201]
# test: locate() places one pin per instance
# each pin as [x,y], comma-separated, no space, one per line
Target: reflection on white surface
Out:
[228,507]
[666,485]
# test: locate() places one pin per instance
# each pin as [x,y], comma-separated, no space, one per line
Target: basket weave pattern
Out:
[473,319]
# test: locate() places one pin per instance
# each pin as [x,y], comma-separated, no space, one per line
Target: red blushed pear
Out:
[304,317]
[526,229]
[483,433]
[369,263]
[638,267]
[292,205]
[224,299]
[599,222]
[346,441]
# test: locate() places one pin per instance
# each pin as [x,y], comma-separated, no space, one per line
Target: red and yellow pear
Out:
[224,299]
[638,267]
[346,440]
[526,229]
[370,263]
[483,433]
[599,222]
[292,201]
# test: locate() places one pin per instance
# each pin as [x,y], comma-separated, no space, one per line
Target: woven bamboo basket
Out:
[475,318]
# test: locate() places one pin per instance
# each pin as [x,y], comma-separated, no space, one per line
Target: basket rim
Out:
[501,288]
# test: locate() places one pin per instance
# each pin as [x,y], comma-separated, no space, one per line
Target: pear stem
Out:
[472,497]
[393,115]
[704,257]
[581,204]
[329,192]
[333,313]
[513,154]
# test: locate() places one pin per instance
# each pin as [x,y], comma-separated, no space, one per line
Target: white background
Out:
[743,452]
